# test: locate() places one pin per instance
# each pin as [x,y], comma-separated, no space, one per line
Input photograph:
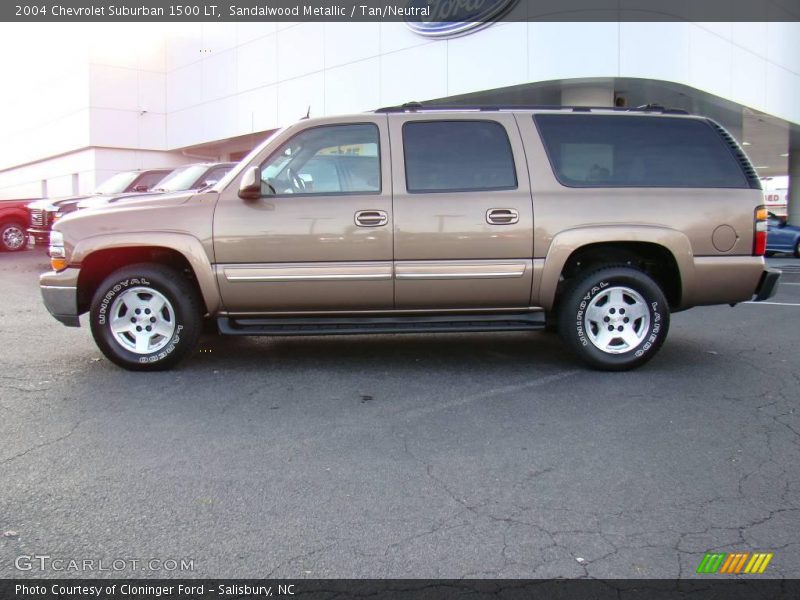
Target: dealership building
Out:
[89,100]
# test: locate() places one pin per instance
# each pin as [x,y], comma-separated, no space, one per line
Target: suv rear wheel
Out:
[146,317]
[615,318]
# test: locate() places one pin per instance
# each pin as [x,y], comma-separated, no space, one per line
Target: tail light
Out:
[760,231]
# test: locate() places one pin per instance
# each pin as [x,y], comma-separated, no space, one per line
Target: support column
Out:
[793,208]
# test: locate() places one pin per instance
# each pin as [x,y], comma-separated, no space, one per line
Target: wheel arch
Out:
[13,218]
[100,256]
[664,254]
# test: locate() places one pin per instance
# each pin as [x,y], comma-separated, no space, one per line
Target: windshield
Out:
[118,183]
[180,179]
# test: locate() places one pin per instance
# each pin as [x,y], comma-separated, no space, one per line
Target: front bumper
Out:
[767,285]
[40,237]
[60,295]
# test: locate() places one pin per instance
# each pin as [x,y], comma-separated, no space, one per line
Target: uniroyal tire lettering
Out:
[582,309]
[184,319]
[164,353]
[112,293]
[656,328]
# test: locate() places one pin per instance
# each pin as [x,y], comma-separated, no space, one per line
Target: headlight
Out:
[58,254]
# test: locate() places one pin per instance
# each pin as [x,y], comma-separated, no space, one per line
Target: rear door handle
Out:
[371,218]
[502,216]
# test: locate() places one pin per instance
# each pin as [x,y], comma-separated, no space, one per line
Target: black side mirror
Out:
[250,184]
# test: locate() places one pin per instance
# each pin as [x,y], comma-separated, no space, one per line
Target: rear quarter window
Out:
[638,151]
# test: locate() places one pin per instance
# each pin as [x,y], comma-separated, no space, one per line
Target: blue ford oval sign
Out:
[450,18]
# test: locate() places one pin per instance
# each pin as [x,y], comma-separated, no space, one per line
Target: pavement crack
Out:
[42,445]
[300,556]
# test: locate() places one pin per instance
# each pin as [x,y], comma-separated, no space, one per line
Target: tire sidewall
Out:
[186,318]
[573,324]
[3,228]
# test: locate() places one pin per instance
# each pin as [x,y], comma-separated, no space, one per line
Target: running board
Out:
[525,321]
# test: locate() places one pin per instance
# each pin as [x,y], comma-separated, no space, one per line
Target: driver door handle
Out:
[371,218]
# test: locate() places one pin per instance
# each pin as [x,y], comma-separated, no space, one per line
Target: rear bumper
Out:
[768,285]
[60,295]
[722,280]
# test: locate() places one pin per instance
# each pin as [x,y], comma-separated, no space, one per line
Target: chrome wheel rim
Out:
[13,238]
[617,320]
[142,320]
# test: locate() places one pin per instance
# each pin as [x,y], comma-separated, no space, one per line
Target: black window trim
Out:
[460,190]
[558,177]
[378,192]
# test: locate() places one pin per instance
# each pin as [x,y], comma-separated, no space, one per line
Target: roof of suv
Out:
[420,107]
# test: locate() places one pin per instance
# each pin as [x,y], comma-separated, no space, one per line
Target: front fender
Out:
[19,215]
[567,242]
[187,245]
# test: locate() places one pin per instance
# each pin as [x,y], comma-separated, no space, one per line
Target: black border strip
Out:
[707,587]
[452,12]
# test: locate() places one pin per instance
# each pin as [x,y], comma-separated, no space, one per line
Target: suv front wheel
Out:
[12,237]
[615,318]
[146,317]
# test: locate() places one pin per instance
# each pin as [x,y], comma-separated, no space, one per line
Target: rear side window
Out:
[457,156]
[638,151]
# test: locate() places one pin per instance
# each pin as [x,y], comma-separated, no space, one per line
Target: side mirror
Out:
[250,184]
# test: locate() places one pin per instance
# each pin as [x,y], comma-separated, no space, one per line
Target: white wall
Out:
[26,181]
[231,79]
[87,99]
[127,86]
[92,166]
[168,86]
[45,100]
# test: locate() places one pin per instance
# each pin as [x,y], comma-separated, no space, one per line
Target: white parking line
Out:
[787,283]
[773,303]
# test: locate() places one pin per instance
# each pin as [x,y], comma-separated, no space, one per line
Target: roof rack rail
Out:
[416,106]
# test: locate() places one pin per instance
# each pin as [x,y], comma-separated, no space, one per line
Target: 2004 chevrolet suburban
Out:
[597,222]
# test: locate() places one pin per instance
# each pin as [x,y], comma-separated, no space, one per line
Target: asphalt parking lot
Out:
[491,455]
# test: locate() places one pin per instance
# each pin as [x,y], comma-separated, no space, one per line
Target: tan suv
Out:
[599,223]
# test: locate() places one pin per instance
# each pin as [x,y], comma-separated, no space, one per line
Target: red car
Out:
[13,221]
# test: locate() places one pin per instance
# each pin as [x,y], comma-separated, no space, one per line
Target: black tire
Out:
[145,285]
[797,249]
[592,295]
[12,237]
